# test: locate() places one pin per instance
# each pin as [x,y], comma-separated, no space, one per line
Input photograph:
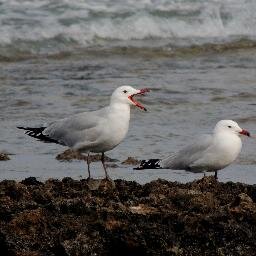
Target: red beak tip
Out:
[246,133]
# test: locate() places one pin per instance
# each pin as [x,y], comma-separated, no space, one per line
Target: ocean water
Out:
[63,57]
[51,27]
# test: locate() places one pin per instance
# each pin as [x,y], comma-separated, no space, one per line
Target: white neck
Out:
[119,119]
[120,107]
[229,144]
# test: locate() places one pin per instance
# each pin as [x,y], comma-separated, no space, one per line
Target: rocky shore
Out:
[71,217]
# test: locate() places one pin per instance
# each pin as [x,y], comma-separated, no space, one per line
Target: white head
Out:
[124,94]
[230,126]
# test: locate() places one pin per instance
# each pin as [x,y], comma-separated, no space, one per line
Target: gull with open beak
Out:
[97,131]
[211,152]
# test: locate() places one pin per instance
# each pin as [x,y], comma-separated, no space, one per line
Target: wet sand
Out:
[72,217]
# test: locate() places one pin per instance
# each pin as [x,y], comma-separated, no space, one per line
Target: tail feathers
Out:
[38,134]
[149,164]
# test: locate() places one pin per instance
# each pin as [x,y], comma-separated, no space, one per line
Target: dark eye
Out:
[124,91]
[229,126]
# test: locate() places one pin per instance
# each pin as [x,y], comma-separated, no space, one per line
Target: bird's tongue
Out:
[136,103]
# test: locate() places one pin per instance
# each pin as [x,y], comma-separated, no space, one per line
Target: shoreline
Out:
[71,217]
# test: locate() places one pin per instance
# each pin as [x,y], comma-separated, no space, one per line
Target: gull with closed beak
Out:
[208,153]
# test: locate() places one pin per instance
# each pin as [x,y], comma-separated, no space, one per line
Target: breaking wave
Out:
[52,27]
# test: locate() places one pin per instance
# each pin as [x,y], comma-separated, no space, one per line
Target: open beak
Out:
[136,103]
[246,133]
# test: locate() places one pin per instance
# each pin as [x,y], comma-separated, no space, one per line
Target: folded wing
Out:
[185,158]
[83,127]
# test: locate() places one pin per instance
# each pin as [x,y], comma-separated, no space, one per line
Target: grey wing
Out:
[80,128]
[185,158]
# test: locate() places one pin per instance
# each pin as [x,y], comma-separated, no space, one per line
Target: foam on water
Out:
[43,26]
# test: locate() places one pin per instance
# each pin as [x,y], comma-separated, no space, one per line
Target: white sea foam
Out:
[41,25]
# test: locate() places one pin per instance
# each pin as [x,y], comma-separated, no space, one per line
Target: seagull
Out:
[208,153]
[97,131]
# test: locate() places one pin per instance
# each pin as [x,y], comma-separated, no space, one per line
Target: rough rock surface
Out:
[72,217]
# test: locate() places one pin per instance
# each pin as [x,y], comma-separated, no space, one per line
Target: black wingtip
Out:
[37,133]
[149,164]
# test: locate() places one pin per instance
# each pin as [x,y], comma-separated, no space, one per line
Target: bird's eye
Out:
[229,126]
[124,91]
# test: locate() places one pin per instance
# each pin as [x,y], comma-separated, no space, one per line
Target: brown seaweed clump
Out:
[66,217]
[131,160]
[4,157]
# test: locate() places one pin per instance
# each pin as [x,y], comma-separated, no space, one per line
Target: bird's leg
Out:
[88,165]
[104,165]
[216,175]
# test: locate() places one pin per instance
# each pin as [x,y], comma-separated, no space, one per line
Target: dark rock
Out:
[68,217]
[31,181]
